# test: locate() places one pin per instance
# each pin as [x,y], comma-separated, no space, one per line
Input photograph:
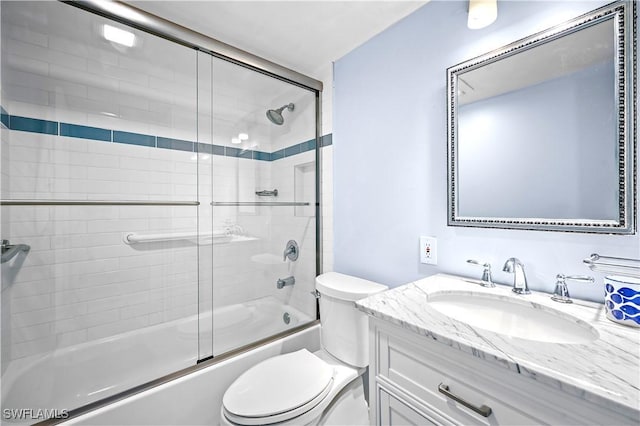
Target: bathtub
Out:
[78,375]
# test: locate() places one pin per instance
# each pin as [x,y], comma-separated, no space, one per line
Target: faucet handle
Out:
[486,281]
[291,251]
[561,292]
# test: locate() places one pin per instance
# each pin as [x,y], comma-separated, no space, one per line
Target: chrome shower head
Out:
[275,115]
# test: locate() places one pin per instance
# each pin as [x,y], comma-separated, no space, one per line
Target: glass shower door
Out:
[264,203]
[99,186]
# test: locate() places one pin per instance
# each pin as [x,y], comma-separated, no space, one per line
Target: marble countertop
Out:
[605,371]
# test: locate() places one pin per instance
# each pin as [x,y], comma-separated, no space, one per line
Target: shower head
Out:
[275,115]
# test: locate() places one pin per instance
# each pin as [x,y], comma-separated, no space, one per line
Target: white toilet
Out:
[304,388]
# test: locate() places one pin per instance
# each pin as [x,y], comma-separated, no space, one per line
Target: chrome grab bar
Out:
[483,410]
[133,238]
[266,193]
[613,265]
[9,251]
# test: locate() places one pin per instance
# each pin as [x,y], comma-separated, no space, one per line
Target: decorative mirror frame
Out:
[624,15]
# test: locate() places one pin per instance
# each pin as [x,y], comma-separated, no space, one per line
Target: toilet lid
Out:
[278,385]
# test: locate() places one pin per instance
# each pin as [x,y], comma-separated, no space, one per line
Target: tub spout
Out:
[282,282]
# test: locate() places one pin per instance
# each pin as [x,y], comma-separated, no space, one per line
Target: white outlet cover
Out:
[429,250]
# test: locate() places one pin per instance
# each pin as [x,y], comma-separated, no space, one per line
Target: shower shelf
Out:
[258,203]
[96,203]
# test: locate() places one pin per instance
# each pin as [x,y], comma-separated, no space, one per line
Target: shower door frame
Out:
[152,24]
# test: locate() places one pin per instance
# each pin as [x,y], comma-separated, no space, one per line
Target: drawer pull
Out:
[483,410]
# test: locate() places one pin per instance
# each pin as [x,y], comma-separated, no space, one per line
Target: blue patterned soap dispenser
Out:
[622,299]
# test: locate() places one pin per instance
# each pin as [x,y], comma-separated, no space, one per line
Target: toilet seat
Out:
[278,389]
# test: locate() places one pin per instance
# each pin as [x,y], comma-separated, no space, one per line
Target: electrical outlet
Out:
[429,250]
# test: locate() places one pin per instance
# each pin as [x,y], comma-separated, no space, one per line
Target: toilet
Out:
[320,388]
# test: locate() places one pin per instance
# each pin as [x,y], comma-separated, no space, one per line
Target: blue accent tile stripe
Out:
[292,150]
[34,125]
[85,132]
[230,151]
[277,155]
[203,148]
[262,156]
[218,149]
[176,144]
[4,117]
[134,138]
[246,153]
[308,145]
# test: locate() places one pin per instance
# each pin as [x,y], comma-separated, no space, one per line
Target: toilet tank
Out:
[345,329]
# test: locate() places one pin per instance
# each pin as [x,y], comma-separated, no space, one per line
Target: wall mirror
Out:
[542,131]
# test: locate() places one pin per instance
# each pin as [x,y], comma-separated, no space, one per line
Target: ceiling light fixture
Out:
[119,36]
[482,13]
[243,136]
[235,140]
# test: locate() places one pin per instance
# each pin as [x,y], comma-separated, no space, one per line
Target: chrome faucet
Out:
[486,273]
[283,282]
[515,267]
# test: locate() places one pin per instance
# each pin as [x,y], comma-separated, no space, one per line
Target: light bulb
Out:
[482,13]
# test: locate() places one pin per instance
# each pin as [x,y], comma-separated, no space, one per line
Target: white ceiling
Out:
[305,36]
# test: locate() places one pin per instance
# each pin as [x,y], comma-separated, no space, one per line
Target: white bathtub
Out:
[77,375]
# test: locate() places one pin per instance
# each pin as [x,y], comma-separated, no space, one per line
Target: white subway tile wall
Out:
[81,281]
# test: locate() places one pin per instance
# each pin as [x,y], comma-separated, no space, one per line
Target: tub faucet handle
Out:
[291,251]
[486,281]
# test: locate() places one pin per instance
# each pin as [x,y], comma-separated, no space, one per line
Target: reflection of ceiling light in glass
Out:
[119,36]
[235,140]
[243,136]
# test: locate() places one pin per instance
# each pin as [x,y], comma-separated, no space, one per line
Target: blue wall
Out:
[390,140]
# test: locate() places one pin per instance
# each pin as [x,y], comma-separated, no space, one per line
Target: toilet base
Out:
[348,408]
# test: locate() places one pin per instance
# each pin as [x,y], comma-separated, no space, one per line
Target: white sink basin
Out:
[513,317]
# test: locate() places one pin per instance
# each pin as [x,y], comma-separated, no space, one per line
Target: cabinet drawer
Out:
[428,379]
[395,412]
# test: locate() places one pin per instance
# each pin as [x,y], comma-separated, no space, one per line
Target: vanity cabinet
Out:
[410,376]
